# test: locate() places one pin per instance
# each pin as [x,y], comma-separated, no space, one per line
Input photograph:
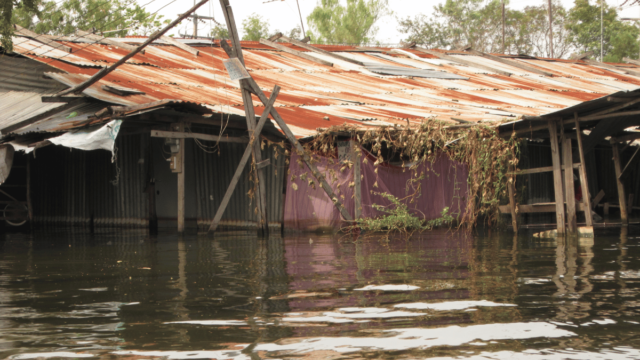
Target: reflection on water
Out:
[441,295]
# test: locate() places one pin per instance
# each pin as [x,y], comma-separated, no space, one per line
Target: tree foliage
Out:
[478,24]
[620,39]
[334,23]
[255,28]
[48,17]
[220,32]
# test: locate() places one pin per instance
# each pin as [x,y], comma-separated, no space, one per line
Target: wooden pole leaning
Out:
[557,177]
[236,52]
[255,137]
[624,217]
[586,197]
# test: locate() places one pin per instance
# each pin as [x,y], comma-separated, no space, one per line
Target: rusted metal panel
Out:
[345,93]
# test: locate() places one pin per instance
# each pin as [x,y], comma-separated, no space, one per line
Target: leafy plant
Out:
[399,219]
[255,28]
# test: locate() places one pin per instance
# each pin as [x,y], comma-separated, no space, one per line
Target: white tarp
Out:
[93,138]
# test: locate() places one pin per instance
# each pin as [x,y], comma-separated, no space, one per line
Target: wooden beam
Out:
[621,197]
[631,61]
[597,199]
[41,38]
[541,170]
[255,138]
[180,45]
[584,183]
[608,116]
[60,99]
[512,202]
[536,208]
[630,203]
[612,67]
[569,190]
[106,41]
[632,161]
[557,177]
[179,127]
[105,71]
[183,135]
[294,52]
[462,61]
[260,180]
[617,107]
[510,63]
[357,180]
[320,51]
[275,36]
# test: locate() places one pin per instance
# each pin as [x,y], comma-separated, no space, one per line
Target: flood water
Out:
[439,295]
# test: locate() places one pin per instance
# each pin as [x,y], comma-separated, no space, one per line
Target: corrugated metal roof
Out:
[345,92]
[17,106]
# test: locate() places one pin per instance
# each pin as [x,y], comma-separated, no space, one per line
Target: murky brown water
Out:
[441,295]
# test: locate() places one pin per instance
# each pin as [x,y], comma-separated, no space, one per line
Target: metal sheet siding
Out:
[69,186]
[24,74]
[213,174]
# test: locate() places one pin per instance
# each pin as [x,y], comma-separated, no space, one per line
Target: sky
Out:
[283,14]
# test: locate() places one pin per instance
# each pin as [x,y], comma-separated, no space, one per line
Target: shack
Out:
[158,141]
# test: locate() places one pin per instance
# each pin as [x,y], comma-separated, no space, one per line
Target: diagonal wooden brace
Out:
[245,158]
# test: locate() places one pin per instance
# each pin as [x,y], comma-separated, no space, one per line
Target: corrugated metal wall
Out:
[68,186]
[213,175]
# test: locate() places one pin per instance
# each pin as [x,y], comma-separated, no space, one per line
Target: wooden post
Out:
[630,204]
[606,208]
[29,207]
[357,180]
[586,197]
[151,191]
[260,179]
[624,219]
[255,137]
[180,127]
[569,192]
[557,177]
[512,201]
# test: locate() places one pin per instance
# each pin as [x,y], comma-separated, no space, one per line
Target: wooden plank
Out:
[535,208]
[243,161]
[512,203]
[621,197]
[630,204]
[510,63]
[624,105]
[263,164]
[320,51]
[462,61]
[569,190]
[608,116]
[60,99]
[632,161]
[41,38]
[178,135]
[357,180]
[105,71]
[541,169]
[584,182]
[612,67]
[597,199]
[227,11]
[180,45]
[557,177]
[294,52]
[106,41]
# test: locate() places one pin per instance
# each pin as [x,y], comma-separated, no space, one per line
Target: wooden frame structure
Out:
[606,118]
